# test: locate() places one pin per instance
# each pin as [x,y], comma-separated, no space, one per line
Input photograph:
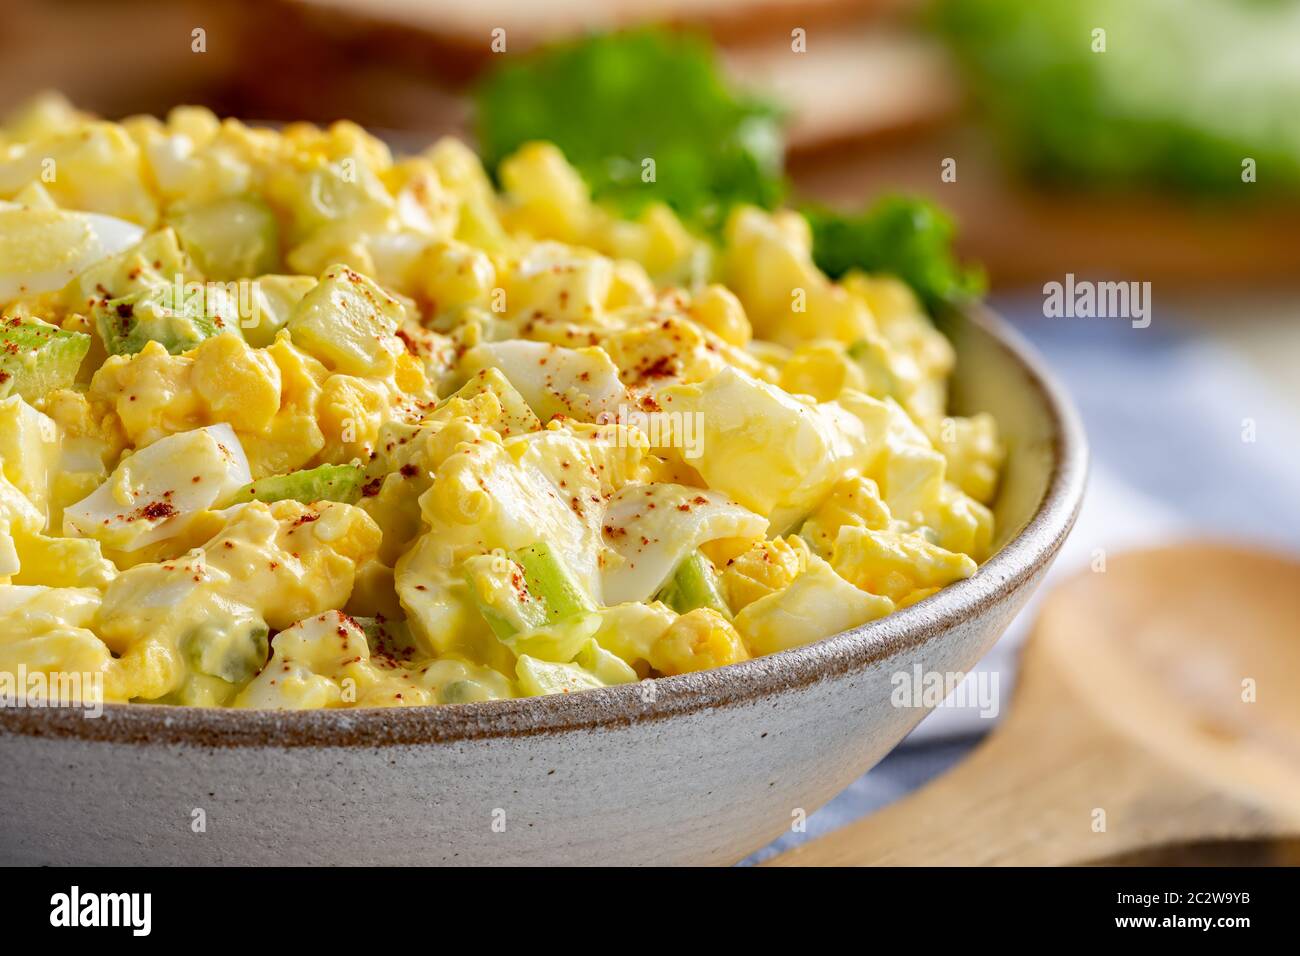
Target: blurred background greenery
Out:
[1066,152]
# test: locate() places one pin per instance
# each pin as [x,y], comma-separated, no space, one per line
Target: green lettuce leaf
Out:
[612,101]
[900,235]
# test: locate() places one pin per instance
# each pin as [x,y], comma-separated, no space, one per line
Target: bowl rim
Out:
[1006,572]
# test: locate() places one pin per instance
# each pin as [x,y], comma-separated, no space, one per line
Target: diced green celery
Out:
[379,629]
[322,483]
[559,641]
[531,593]
[230,238]
[464,692]
[233,649]
[127,324]
[223,655]
[36,358]
[389,638]
[606,667]
[537,678]
[694,585]
[549,579]
[499,589]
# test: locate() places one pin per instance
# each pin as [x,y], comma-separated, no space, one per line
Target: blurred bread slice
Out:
[850,84]
[1026,235]
[469,25]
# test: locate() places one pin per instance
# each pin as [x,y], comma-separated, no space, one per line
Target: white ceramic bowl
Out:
[710,769]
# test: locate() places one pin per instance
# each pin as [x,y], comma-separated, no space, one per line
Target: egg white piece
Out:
[155,492]
[52,246]
[576,383]
[41,606]
[652,528]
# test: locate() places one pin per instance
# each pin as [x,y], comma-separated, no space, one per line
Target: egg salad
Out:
[287,421]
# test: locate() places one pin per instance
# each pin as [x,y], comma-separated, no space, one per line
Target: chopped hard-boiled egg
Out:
[574,383]
[774,452]
[43,249]
[652,528]
[158,491]
[287,422]
[817,602]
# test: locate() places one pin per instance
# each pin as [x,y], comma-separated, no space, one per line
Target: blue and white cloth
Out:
[1187,441]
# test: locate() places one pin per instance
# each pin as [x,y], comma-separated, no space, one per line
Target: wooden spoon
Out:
[1158,703]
